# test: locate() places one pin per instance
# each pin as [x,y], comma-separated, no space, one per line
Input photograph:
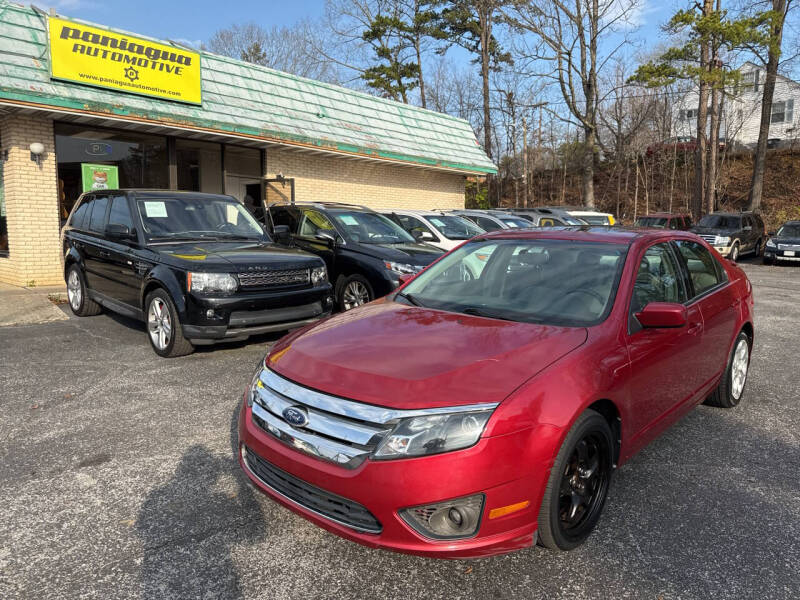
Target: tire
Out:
[77,294]
[731,387]
[734,253]
[164,327]
[759,248]
[558,529]
[353,291]
[767,261]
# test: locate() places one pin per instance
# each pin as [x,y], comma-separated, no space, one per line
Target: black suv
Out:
[197,268]
[365,252]
[732,234]
[783,245]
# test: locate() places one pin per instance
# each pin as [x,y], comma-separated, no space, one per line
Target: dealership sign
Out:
[103,58]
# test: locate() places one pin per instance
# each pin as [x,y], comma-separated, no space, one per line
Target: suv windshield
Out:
[595,219]
[657,222]
[197,218]
[721,222]
[370,228]
[555,282]
[515,222]
[790,230]
[454,228]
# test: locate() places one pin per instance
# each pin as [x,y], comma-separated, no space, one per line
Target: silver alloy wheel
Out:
[741,360]
[355,294]
[74,290]
[159,324]
[734,252]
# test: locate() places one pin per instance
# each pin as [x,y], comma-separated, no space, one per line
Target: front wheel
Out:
[164,327]
[578,485]
[734,253]
[731,387]
[354,291]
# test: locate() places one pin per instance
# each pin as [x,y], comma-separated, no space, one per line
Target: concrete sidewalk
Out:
[28,306]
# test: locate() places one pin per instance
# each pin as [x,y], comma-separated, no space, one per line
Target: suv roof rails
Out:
[322,205]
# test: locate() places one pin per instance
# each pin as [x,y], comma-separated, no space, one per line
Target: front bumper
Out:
[780,255]
[208,319]
[382,488]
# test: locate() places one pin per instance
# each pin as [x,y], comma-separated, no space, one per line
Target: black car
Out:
[783,245]
[365,252]
[732,234]
[197,268]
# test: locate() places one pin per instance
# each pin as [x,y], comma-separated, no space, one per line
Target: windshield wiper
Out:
[482,312]
[411,299]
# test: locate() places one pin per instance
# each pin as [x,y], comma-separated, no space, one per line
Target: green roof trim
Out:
[240,98]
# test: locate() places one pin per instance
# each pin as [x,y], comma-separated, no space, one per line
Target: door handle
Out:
[694,327]
[104,253]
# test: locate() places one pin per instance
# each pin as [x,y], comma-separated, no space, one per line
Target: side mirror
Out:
[281,233]
[115,231]
[416,234]
[662,314]
[327,236]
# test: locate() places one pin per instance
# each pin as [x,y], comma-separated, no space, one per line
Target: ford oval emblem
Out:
[295,416]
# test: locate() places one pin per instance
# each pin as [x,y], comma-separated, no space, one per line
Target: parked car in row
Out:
[439,229]
[733,234]
[365,252]
[196,268]
[546,217]
[662,220]
[783,245]
[592,217]
[492,220]
[464,418]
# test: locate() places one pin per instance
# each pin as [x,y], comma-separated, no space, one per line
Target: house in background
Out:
[741,111]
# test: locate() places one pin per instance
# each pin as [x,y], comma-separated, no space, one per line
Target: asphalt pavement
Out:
[119,481]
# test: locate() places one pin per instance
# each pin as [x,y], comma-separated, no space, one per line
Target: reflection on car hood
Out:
[243,255]
[786,240]
[712,230]
[390,354]
[411,253]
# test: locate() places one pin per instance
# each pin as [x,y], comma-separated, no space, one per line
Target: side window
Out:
[97,222]
[78,220]
[747,222]
[312,222]
[658,279]
[704,271]
[487,224]
[120,213]
[284,215]
[412,223]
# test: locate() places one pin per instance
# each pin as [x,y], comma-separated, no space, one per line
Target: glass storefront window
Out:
[199,166]
[142,160]
[3,222]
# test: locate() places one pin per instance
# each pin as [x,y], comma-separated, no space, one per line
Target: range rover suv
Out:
[365,252]
[732,234]
[197,268]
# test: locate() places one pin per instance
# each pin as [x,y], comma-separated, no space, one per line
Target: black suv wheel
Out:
[164,327]
[79,301]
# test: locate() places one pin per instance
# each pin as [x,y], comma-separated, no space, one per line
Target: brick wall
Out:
[31,196]
[322,178]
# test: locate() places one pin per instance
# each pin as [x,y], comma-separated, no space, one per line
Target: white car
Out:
[438,229]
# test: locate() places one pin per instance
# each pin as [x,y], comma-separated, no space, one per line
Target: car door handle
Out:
[694,327]
[104,253]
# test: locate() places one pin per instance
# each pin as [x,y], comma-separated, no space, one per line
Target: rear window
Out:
[704,270]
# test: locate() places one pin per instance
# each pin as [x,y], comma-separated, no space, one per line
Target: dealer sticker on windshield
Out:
[155,209]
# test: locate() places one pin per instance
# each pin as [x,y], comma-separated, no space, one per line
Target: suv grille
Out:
[276,278]
[315,499]
[709,238]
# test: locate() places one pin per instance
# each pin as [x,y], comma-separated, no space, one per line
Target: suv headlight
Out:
[771,244]
[319,274]
[722,240]
[433,434]
[206,283]
[402,268]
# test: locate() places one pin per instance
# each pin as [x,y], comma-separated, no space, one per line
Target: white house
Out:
[741,112]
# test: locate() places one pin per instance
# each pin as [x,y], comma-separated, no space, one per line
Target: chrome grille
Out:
[709,238]
[337,430]
[275,278]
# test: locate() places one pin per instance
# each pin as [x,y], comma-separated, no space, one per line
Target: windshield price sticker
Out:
[155,209]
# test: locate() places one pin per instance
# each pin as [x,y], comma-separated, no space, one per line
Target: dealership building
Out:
[86,107]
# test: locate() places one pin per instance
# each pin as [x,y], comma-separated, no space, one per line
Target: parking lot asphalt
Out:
[119,481]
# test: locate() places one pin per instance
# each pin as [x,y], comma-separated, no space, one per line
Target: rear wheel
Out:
[759,247]
[79,301]
[578,485]
[164,327]
[731,387]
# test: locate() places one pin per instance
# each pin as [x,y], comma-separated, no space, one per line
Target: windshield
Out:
[573,220]
[656,222]
[370,228]
[454,228]
[595,219]
[197,218]
[720,222]
[555,282]
[513,222]
[790,230]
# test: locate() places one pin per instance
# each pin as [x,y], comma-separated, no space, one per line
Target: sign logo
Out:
[295,416]
[102,58]
[99,177]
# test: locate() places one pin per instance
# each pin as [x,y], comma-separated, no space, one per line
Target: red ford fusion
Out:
[483,406]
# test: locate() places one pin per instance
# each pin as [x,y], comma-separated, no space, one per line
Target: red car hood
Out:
[398,356]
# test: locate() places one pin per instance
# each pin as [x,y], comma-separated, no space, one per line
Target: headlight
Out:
[433,434]
[206,283]
[402,268]
[771,244]
[319,274]
[721,240]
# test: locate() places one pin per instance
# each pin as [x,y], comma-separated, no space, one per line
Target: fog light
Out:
[449,520]
[210,313]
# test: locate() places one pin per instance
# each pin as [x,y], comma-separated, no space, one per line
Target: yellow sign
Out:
[103,58]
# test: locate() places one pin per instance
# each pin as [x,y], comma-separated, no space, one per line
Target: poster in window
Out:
[99,177]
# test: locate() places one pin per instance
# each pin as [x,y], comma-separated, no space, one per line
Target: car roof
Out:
[663,214]
[159,193]
[411,211]
[587,233]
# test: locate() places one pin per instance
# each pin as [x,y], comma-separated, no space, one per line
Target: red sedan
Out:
[469,416]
